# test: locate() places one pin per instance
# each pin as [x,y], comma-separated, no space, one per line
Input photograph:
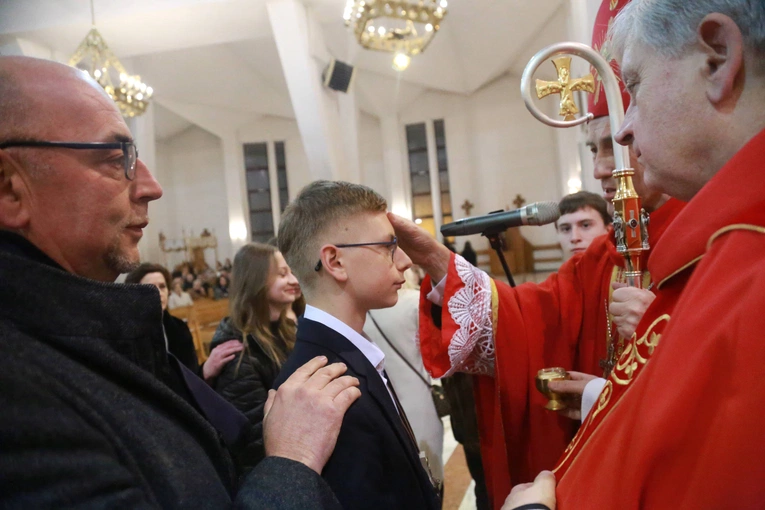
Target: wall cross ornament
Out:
[565,86]
[519,201]
[467,206]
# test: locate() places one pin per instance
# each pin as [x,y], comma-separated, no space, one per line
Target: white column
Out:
[142,128]
[575,160]
[396,172]
[316,109]
[435,184]
[236,193]
[349,123]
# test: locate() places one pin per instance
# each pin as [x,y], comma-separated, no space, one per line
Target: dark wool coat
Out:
[180,342]
[95,413]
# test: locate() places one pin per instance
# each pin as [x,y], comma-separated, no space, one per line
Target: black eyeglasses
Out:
[393,242]
[129,150]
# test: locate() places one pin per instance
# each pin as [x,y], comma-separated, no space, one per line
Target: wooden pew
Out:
[209,313]
[202,319]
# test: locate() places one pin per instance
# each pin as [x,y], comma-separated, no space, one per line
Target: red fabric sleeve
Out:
[560,322]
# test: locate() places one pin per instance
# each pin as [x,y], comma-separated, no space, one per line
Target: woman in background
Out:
[178,339]
[221,287]
[261,291]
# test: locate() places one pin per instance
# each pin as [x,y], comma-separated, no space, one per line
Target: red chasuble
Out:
[687,430]
[561,322]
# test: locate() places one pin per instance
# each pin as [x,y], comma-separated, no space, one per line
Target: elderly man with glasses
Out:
[94,411]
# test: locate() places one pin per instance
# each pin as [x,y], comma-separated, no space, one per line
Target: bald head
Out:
[29,87]
[76,201]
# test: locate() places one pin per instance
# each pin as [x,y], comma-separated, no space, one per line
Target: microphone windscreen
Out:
[546,212]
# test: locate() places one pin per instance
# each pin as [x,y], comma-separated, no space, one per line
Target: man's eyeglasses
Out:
[129,150]
[393,243]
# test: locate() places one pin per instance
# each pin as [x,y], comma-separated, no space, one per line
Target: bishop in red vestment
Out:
[688,429]
[682,428]
[505,335]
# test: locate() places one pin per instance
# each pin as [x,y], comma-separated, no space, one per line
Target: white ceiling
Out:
[222,53]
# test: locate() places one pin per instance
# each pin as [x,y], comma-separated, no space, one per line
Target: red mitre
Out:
[596,103]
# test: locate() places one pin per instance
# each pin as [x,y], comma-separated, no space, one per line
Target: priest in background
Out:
[583,217]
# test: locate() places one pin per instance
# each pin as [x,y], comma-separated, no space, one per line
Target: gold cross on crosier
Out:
[467,207]
[565,86]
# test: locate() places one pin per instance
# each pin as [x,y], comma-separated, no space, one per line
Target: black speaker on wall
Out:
[338,75]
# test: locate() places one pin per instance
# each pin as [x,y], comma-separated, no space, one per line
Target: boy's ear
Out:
[14,214]
[332,263]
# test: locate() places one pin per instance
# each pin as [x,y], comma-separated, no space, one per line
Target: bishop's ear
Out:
[14,214]
[723,45]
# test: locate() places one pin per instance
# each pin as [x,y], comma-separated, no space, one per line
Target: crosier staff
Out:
[630,219]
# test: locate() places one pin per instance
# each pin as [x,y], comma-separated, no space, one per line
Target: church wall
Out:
[515,153]
[495,149]
[281,130]
[371,154]
[161,212]
[298,171]
[194,188]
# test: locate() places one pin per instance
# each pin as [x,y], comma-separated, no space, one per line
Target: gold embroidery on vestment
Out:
[730,228]
[628,365]
[689,264]
[604,399]
[632,358]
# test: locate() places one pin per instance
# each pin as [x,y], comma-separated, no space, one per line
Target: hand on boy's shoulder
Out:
[303,417]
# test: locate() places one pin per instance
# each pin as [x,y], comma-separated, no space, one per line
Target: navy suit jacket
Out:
[374,464]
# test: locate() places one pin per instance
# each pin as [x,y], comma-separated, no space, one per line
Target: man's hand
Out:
[421,247]
[302,419]
[541,491]
[219,356]
[628,305]
[572,391]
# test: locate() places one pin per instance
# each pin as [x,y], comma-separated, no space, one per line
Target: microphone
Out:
[538,213]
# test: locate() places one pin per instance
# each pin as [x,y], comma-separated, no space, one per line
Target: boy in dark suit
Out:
[338,241]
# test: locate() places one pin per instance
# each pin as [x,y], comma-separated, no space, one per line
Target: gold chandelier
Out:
[403,27]
[94,57]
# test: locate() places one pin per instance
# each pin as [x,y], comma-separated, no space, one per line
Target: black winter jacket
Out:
[180,343]
[92,416]
[245,384]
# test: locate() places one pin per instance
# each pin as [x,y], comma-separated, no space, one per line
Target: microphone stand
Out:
[492,234]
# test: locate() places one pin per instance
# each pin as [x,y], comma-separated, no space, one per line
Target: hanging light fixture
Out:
[401,61]
[402,27]
[95,58]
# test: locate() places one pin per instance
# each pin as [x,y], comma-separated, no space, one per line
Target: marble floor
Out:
[458,486]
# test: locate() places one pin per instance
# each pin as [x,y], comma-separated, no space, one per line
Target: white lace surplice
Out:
[471,349]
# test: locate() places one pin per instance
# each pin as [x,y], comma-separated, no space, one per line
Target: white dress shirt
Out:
[436,294]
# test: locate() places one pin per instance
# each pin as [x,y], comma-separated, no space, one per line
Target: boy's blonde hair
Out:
[316,210]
